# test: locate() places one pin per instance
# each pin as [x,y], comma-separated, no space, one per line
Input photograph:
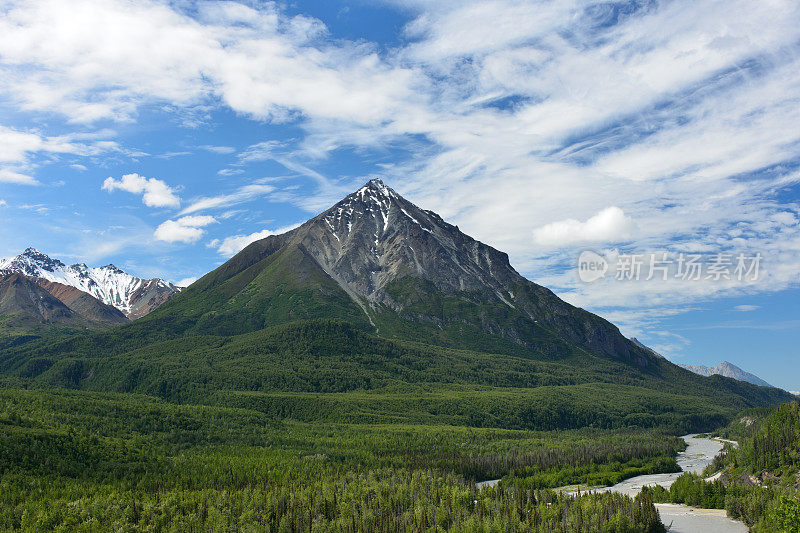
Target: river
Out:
[684,519]
[699,453]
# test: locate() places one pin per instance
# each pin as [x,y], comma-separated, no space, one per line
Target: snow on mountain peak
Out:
[108,284]
[375,185]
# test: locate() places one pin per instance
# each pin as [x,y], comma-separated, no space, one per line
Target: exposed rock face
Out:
[22,298]
[149,296]
[387,253]
[84,304]
[376,232]
[133,296]
[30,302]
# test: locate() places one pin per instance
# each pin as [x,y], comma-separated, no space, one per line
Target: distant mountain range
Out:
[132,296]
[28,302]
[729,370]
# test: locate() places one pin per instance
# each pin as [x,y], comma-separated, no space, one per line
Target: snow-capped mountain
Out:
[134,296]
[729,370]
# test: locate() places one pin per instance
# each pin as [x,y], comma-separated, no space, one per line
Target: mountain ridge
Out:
[28,302]
[371,307]
[728,370]
[133,296]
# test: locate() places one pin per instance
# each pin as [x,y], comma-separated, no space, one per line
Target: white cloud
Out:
[230,171]
[609,225]
[185,229]
[10,176]
[21,151]
[155,193]
[15,145]
[746,307]
[234,244]
[242,194]
[101,60]
[222,150]
[185,282]
[263,151]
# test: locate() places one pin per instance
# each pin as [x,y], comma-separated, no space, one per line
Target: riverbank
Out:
[699,453]
[684,519]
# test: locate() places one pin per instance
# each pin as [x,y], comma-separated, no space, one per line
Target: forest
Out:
[318,425]
[83,461]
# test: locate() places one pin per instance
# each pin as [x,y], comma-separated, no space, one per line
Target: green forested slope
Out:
[333,370]
[381,310]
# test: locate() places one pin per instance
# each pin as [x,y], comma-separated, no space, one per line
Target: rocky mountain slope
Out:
[378,259]
[729,370]
[133,296]
[27,302]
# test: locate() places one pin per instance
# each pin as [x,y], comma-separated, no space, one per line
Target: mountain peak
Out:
[35,255]
[380,261]
[112,286]
[377,185]
[729,370]
[375,236]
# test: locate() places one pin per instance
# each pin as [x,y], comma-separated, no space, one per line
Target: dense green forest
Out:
[72,460]
[328,370]
[320,425]
[759,479]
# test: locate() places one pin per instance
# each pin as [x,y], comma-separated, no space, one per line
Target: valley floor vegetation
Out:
[319,425]
[85,461]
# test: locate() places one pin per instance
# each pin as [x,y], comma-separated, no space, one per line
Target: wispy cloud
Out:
[113,56]
[185,282]
[221,150]
[19,150]
[243,194]
[10,176]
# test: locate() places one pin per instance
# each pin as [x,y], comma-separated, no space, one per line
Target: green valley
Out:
[336,378]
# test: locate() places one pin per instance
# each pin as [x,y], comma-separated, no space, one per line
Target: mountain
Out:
[729,370]
[135,297]
[402,272]
[638,343]
[83,303]
[27,302]
[379,311]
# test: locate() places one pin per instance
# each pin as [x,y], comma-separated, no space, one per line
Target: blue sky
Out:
[164,136]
